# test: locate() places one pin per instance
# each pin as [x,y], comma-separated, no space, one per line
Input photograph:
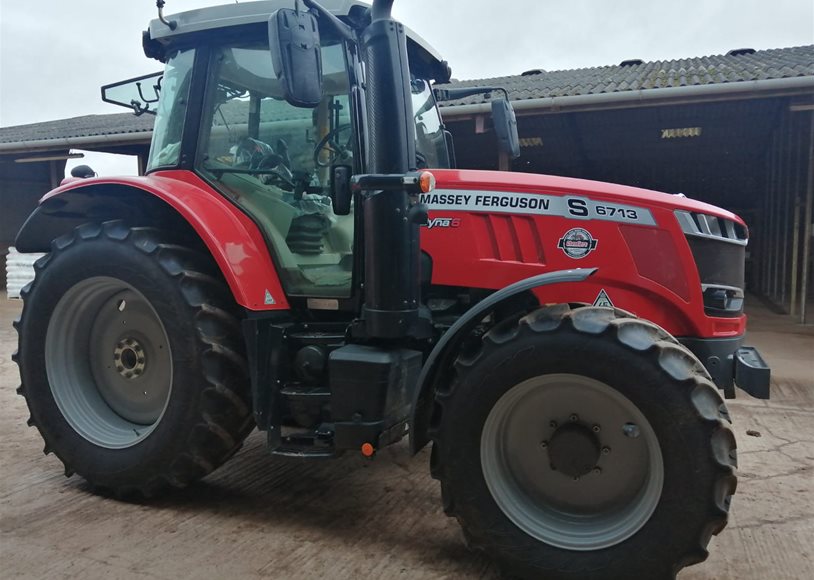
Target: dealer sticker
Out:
[577,243]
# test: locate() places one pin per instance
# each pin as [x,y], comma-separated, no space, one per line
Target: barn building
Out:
[735,130]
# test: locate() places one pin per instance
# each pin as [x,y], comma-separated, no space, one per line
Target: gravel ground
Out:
[261,516]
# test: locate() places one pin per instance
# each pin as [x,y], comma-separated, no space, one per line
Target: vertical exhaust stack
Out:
[391,239]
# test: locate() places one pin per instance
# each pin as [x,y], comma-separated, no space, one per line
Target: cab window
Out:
[274,160]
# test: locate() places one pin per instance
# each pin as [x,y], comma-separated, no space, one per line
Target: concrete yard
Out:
[260,516]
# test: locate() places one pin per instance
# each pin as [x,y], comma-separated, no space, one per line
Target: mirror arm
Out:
[345,31]
[140,109]
[145,99]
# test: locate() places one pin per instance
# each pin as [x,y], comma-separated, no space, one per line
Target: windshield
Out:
[275,159]
[172,108]
[430,141]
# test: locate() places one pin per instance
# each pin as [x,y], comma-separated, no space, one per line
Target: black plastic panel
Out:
[719,262]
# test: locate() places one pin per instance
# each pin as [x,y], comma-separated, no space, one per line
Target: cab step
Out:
[305,394]
[312,445]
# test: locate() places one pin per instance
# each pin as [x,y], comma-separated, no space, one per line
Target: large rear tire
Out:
[132,361]
[584,443]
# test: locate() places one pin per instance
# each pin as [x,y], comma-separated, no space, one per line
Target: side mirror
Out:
[140,93]
[506,127]
[341,194]
[296,55]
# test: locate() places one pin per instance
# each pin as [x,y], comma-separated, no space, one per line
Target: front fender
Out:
[166,199]
[442,355]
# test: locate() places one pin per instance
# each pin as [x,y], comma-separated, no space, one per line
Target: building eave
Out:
[645,97]
[83,142]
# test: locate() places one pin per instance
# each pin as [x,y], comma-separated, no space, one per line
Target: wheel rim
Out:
[108,362]
[610,473]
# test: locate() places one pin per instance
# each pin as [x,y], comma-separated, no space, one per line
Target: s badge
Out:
[577,243]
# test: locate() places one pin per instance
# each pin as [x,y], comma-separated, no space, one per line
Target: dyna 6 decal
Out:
[571,207]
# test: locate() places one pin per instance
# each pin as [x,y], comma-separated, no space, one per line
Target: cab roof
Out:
[230,15]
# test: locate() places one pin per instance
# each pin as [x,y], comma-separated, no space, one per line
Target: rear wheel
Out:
[132,360]
[584,443]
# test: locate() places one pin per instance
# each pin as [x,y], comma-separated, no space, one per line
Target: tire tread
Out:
[216,436]
[636,335]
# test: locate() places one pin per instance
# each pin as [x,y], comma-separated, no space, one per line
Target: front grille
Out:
[719,248]
[709,226]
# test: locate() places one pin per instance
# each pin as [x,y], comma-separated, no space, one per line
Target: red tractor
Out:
[301,257]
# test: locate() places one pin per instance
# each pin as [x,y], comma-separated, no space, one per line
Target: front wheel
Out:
[584,443]
[132,361]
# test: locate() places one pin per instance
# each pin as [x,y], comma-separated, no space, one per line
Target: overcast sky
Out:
[55,54]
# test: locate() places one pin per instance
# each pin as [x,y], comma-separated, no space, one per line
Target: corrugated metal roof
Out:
[86,126]
[704,70]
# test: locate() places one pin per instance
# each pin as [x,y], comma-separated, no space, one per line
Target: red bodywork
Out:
[646,269]
[233,239]
[481,249]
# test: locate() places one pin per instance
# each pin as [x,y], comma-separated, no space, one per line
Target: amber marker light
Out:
[426,181]
[368,450]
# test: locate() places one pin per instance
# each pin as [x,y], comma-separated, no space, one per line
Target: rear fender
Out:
[173,201]
[443,354]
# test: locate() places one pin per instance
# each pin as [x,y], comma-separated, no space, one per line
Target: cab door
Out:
[275,160]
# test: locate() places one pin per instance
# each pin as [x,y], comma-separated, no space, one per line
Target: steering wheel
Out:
[258,156]
[336,151]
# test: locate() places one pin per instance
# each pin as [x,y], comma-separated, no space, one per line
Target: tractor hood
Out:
[478,182]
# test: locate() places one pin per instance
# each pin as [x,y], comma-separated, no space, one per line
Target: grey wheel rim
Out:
[610,473]
[108,362]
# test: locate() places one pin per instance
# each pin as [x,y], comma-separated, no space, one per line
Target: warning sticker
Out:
[268,298]
[603,300]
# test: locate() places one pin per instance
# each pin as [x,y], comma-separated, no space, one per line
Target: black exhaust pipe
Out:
[392,281]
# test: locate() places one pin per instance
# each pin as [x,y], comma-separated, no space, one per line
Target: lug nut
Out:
[595,429]
[574,418]
[606,450]
[631,430]
[597,470]
[543,444]
[553,424]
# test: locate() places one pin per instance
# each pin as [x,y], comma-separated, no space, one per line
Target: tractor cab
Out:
[223,112]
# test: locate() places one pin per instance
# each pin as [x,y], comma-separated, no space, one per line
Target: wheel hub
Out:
[129,358]
[574,450]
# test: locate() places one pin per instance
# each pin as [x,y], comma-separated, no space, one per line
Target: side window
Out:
[274,160]
[172,109]
[430,141]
